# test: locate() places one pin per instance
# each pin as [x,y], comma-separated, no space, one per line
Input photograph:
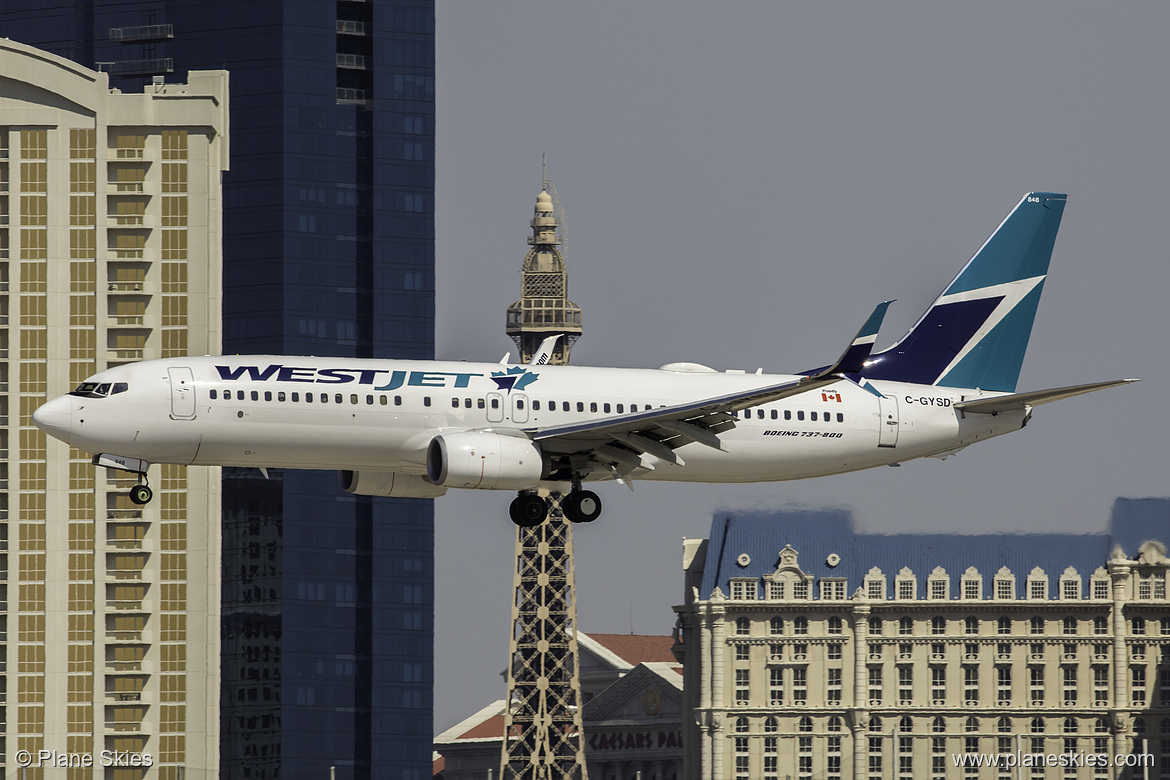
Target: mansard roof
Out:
[818,534]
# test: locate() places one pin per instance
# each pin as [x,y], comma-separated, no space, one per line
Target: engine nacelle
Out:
[388,484]
[477,459]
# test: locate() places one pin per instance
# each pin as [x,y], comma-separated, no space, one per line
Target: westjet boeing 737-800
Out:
[417,428]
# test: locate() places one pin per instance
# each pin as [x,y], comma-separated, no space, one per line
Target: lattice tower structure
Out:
[543,734]
[544,308]
[543,722]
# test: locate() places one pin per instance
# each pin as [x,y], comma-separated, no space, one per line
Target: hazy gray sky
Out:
[743,182]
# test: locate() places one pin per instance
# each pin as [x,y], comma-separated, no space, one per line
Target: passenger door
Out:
[182,393]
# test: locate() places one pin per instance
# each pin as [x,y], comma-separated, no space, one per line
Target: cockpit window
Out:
[100,389]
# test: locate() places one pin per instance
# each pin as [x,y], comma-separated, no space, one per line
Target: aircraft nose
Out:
[55,417]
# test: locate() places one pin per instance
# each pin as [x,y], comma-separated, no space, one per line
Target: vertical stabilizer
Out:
[975,334]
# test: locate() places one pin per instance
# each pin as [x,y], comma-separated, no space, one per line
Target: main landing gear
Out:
[529,509]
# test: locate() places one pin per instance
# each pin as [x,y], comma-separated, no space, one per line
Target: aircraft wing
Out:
[621,440]
[1017,401]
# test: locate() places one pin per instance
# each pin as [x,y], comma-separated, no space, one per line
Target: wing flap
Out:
[1017,401]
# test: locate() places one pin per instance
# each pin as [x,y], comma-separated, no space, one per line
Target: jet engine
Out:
[388,484]
[478,459]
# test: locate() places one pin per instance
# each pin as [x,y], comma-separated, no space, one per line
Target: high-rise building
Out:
[110,212]
[814,651]
[328,250]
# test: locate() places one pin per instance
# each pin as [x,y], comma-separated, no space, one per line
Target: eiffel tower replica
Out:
[542,735]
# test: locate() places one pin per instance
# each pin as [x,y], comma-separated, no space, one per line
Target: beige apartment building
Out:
[110,252]
[812,651]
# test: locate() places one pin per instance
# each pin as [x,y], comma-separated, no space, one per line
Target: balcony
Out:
[126,286]
[125,354]
[346,27]
[126,188]
[128,221]
[145,32]
[351,61]
[155,67]
[126,321]
[351,97]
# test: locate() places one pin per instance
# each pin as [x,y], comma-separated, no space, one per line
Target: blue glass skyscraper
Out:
[329,250]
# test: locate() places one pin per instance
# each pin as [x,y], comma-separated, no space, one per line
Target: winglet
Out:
[853,359]
[544,352]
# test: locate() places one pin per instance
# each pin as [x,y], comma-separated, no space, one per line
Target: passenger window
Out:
[800,415]
[353,398]
[479,403]
[787,414]
[255,395]
[620,408]
[267,395]
[454,403]
[580,406]
[760,413]
[324,398]
[536,406]
[813,417]
[466,403]
[633,407]
[593,406]
[296,397]
[398,400]
[565,406]
[369,400]
[840,417]
[426,400]
[239,395]
[308,398]
[495,403]
[340,399]
[605,408]
[382,400]
[280,396]
[213,394]
[519,404]
[775,414]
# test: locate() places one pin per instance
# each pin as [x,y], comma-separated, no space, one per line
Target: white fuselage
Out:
[381,415]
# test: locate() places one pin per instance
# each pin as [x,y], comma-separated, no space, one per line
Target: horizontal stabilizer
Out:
[1017,401]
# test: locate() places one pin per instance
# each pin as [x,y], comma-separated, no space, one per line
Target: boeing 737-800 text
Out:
[417,428]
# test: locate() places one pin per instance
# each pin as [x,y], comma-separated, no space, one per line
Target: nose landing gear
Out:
[139,494]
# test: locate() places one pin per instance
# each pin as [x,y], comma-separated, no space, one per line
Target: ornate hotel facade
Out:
[110,237]
[812,651]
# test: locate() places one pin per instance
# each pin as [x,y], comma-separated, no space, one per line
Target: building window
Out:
[971,625]
[1003,625]
[776,686]
[875,626]
[832,589]
[800,625]
[1137,626]
[905,683]
[938,683]
[1100,686]
[875,685]
[800,591]
[905,626]
[1003,684]
[1100,588]
[1005,585]
[906,585]
[938,625]
[1036,684]
[1036,625]
[776,626]
[1138,677]
[1069,688]
[743,626]
[833,652]
[833,686]
[742,686]
[875,584]
[971,684]
[834,626]
[1100,626]
[799,686]
[743,589]
[775,590]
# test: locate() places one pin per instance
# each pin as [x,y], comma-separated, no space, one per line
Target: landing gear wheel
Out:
[581,506]
[141,494]
[528,510]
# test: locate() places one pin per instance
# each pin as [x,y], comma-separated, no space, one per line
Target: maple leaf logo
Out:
[516,378]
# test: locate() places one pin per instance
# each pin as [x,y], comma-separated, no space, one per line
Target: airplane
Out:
[402,428]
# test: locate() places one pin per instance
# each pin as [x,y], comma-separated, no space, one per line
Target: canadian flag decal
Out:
[830,395]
